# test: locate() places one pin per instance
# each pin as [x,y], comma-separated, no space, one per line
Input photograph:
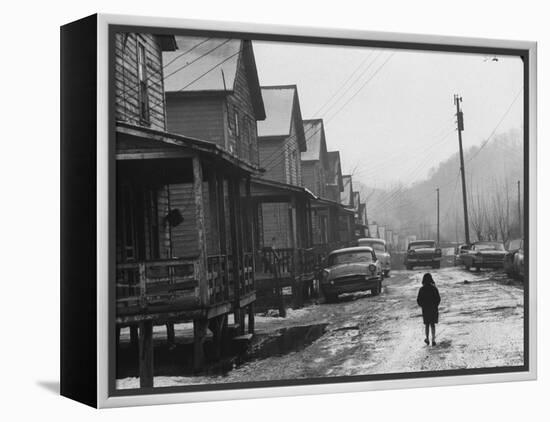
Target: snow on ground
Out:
[481,326]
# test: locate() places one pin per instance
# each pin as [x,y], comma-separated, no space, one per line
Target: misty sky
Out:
[398,124]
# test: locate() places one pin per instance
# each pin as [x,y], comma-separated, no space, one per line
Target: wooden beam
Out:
[223,229]
[235,245]
[199,331]
[146,354]
[151,155]
[251,316]
[201,230]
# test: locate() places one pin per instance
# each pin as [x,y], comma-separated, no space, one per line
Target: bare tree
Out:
[478,213]
[501,205]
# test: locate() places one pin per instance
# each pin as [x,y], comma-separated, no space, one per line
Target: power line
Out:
[281,154]
[275,154]
[164,77]
[185,52]
[497,126]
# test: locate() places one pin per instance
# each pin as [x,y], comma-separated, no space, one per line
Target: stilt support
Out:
[146,354]
[199,327]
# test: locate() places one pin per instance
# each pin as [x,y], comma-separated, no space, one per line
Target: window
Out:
[143,89]
[236,124]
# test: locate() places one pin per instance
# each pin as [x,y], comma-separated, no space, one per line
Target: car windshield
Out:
[350,257]
[493,246]
[423,245]
[515,244]
[377,246]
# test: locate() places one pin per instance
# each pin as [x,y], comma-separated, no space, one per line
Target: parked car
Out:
[459,251]
[350,270]
[381,250]
[484,254]
[513,260]
[422,253]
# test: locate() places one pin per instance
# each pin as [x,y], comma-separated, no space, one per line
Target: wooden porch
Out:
[287,273]
[185,249]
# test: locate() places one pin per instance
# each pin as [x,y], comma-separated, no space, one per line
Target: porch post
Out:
[201,230]
[251,221]
[146,354]
[296,267]
[309,223]
[223,231]
[235,244]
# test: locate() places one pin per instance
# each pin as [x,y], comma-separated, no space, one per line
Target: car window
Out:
[493,246]
[422,245]
[515,244]
[350,257]
[377,246]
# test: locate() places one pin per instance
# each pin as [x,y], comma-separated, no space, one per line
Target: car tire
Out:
[386,273]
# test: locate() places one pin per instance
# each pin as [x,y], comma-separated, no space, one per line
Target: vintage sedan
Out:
[484,254]
[460,251]
[513,260]
[379,247]
[422,253]
[351,270]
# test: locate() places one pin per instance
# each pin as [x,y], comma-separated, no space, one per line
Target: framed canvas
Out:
[253,211]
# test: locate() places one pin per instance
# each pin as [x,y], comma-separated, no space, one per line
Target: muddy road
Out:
[481,325]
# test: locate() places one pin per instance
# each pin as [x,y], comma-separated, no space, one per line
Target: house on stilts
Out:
[186,151]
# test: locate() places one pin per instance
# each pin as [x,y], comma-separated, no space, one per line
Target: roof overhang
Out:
[158,144]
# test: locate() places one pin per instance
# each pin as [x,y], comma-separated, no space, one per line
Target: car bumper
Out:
[349,286]
[422,260]
[490,264]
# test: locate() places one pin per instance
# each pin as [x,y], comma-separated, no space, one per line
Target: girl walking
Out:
[428,299]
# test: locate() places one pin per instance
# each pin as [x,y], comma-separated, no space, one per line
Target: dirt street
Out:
[481,325]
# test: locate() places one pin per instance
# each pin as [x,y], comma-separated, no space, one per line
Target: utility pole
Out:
[519,209]
[437,190]
[460,127]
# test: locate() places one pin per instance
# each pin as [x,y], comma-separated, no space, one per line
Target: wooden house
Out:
[334,182]
[314,166]
[213,93]
[184,248]
[360,226]
[347,221]
[315,158]
[281,140]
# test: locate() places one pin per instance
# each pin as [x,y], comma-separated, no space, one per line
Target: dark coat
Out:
[429,299]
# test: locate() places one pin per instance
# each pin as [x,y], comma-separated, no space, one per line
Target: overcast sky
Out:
[391,112]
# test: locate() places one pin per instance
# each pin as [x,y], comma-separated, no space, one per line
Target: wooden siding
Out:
[294,164]
[245,144]
[196,117]
[212,117]
[280,157]
[126,79]
[270,151]
[313,177]
[333,193]
[276,223]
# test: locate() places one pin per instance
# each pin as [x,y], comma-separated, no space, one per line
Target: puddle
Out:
[283,341]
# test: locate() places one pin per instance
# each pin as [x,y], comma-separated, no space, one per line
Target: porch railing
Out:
[173,284]
[152,284]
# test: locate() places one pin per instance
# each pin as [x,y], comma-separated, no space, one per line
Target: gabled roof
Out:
[282,107]
[334,173]
[167,42]
[346,197]
[356,200]
[316,142]
[210,66]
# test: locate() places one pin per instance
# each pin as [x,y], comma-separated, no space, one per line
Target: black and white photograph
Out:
[293,212]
